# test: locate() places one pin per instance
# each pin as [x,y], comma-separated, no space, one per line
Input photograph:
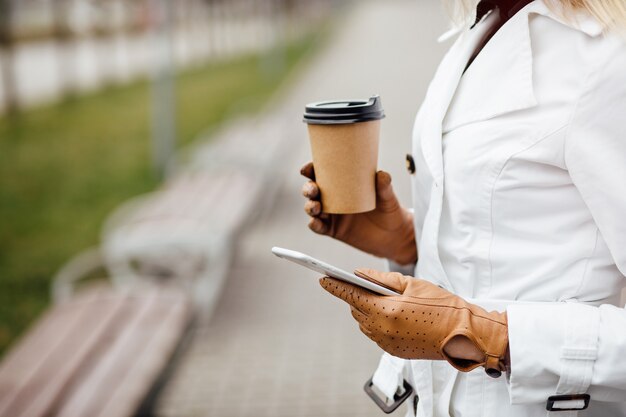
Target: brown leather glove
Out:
[421,322]
[387,231]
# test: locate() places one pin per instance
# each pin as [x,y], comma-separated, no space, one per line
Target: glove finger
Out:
[357,297]
[386,199]
[319,226]
[310,190]
[359,316]
[308,171]
[313,208]
[390,280]
[366,332]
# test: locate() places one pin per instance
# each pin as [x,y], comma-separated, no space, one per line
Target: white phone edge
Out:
[316,265]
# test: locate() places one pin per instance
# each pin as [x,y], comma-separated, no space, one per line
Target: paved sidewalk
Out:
[277,345]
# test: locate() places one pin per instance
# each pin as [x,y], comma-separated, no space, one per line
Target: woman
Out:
[517,238]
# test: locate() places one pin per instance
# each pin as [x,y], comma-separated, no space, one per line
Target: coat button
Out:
[410,164]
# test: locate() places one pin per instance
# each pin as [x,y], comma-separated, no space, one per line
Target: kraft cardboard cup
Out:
[344,137]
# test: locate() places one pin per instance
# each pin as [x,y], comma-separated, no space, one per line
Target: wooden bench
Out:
[182,234]
[99,354]
[185,232]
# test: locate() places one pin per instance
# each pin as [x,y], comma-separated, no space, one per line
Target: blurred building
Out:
[54,48]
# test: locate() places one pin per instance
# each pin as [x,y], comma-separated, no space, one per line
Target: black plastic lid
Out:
[343,111]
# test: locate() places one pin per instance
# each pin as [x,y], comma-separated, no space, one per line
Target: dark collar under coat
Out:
[507,8]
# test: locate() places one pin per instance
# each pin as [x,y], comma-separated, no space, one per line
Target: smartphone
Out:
[329,270]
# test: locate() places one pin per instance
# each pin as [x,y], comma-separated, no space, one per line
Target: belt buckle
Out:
[568,397]
[398,399]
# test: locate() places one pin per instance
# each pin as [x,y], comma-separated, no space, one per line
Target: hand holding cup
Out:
[387,231]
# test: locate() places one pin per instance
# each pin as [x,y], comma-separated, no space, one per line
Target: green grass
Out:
[63,168]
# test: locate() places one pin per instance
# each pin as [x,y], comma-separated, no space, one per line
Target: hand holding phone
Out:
[329,270]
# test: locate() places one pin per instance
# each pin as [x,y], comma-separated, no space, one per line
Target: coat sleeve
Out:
[571,348]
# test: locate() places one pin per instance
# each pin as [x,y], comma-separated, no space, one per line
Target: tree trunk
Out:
[11,101]
[62,38]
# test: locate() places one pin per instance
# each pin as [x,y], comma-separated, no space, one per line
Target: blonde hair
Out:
[610,13]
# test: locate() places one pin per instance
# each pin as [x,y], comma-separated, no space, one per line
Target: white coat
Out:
[519,195]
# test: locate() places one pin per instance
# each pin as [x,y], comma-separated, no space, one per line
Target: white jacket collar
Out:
[509,70]
[511,75]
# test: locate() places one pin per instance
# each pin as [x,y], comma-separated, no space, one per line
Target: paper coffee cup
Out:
[344,137]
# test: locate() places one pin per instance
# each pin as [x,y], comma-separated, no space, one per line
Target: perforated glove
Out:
[419,323]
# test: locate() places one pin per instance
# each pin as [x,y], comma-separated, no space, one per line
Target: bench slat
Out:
[62,357]
[23,360]
[147,365]
[124,373]
[96,355]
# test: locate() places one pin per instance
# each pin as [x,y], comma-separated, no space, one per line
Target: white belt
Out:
[501,305]
[498,305]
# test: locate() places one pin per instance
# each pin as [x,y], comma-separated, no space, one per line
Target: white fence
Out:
[47,69]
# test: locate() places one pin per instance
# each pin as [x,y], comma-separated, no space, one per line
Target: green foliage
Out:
[63,168]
